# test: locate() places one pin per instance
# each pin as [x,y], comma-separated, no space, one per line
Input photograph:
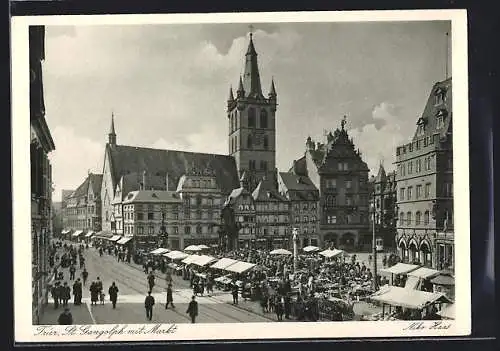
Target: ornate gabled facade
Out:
[304,206]
[243,209]
[252,123]
[337,170]
[383,199]
[425,185]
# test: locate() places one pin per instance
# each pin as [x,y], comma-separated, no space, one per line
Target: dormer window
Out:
[439,96]
[440,116]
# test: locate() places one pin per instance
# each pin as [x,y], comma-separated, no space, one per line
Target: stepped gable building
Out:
[425,185]
[383,198]
[41,144]
[82,211]
[304,206]
[341,176]
[252,123]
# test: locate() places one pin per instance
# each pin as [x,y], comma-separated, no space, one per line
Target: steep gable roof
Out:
[130,159]
[82,189]
[96,181]
[265,191]
[296,182]
[152,196]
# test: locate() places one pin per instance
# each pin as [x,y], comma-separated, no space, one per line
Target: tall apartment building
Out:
[41,144]
[425,185]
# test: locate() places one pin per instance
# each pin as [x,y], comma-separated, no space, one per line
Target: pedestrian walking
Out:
[77,292]
[65,318]
[94,293]
[234,292]
[55,294]
[72,271]
[192,310]
[113,294]
[384,261]
[65,294]
[148,304]
[99,285]
[85,275]
[151,281]
[279,307]
[170,297]
[82,262]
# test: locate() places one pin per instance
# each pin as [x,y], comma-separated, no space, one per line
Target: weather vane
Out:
[344,121]
[251,27]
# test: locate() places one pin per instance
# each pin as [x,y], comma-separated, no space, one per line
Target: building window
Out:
[263,118]
[417,218]
[331,183]
[175,230]
[251,117]
[266,142]
[330,201]
[140,230]
[408,218]
[187,229]
[249,142]
[332,219]
[251,165]
[419,191]
[426,218]
[409,193]
[403,170]
[263,165]
[427,190]
[448,190]
[401,194]
[306,219]
[348,201]
[348,184]
[410,167]
[151,230]
[151,215]
[428,163]
[419,166]
[401,218]
[198,229]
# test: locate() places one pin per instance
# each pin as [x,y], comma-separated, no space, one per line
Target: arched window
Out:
[426,217]
[263,118]
[408,218]
[330,200]
[236,143]
[266,142]
[235,120]
[417,218]
[251,117]
[249,142]
[198,200]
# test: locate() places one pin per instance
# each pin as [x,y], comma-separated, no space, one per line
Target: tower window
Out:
[251,164]
[249,142]
[263,118]
[263,165]
[266,142]
[251,117]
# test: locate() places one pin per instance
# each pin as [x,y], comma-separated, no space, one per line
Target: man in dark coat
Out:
[85,275]
[193,309]
[288,306]
[170,298]
[151,281]
[65,318]
[55,294]
[77,292]
[99,285]
[148,304]
[72,271]
[234,292]
[113,294]
[65,294]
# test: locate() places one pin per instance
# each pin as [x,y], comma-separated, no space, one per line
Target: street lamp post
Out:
[295,250]
[163,232]
[374,247]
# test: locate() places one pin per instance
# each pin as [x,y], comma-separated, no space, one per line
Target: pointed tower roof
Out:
[241,90]
[381,176]
[231,96]
[251,81]
[112,128]
[272,90]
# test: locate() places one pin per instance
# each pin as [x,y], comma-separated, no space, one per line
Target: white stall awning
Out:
[124,240]
[115,238]
[190,259]
[223,263]
[400,268]
[331,253]
[414,299]
[176,255]
[203,260]
[77,233]
[424,273]
[240,267]
[89,234]
[159,251]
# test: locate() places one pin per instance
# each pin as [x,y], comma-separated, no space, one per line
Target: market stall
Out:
[202,260]
[192,248]
[445,283]
[159,251]
[399,269]
[447,311]
[310,249]
[420,278]
[328,253]
[223,263]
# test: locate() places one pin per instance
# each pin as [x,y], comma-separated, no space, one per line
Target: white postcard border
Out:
[25,332]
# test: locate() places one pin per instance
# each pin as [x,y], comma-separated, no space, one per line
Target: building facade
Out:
[304,206]
[243,206]
[383,200]
[252,123]
[341,176]
[425,185]
[65,194]
[41,145]
[81,211]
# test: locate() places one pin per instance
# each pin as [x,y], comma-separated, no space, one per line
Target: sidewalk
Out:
[81,314]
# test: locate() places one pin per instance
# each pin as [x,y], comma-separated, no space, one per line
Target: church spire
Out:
[272,91]
[231,96]
[112,134]
[251,79]
[241,91]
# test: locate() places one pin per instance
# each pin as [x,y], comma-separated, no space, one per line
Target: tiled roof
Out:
[132,182]
[266,191]
[297,183]
[299,166]
[82,189]
[96,182]
[152,196]
[130,159]
[235,194]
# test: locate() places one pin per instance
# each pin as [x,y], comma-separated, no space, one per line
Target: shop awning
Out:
[65,231]
[189,259]
[176,255]
[240,267]
[443,279]
[310,249]
[203,260]
[115,238]
[447,311]
[331,253]
[280,252]
[223,263]
[124,240]
[193,248]
[424,273]
[414,299]
[103,234]
[89,234]
[203,247]
[77,233]
[400,268]
[159,251]
[412,282]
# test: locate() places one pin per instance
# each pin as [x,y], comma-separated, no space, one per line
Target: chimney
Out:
[144,185]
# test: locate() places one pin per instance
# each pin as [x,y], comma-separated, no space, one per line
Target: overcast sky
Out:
[168,85]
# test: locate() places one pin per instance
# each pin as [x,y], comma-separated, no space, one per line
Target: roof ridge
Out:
[187,152]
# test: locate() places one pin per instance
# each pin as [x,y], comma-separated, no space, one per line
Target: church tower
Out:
[252,122]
